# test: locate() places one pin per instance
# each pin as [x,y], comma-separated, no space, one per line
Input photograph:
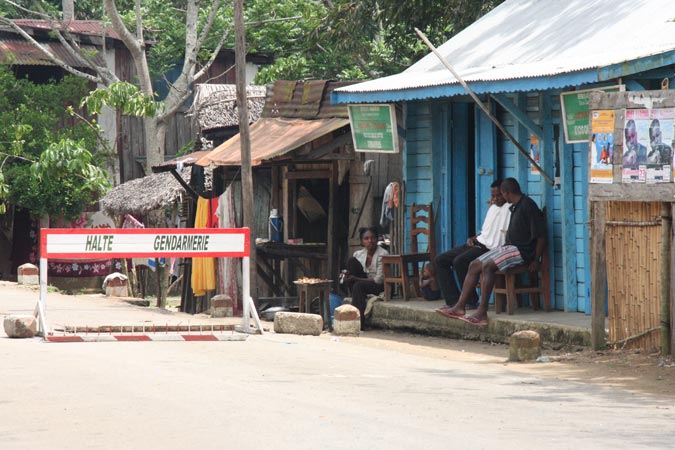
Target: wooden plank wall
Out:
[417,161]
[633,267]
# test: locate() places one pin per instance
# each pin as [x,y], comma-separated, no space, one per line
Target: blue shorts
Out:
[504,257]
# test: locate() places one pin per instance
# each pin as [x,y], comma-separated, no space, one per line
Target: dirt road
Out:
[378,391]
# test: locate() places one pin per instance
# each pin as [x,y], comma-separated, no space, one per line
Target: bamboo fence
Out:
[633,241]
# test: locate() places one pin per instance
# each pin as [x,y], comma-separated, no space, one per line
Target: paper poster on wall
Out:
[648,146]
[575,108]
[535,153]
[602,146]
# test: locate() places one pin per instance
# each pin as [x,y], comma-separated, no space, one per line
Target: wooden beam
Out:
[520,115]
[193,195]
[308,174]
[599,275]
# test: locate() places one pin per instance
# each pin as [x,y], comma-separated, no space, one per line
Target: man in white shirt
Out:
[458,259]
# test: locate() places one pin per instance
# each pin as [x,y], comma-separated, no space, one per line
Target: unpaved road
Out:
[380,391]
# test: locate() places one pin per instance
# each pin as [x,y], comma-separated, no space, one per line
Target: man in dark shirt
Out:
[525,243]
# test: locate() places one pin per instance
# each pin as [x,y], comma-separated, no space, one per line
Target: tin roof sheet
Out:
[538,38]
[272,137]
[87,27]
[21,52]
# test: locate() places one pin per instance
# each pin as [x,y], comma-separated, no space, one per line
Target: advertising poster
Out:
[535,153]
[648,146]
[602,146]
[374,128]
[575,108]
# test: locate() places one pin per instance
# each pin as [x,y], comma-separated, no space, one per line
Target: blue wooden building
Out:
[519,58]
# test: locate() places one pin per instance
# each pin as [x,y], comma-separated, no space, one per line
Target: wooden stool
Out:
[308,292]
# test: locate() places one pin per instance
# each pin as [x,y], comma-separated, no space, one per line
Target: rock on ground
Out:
[298,323]
[20,326]
[524,346]
[346,321]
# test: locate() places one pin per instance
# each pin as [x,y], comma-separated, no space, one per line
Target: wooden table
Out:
[308,292]
[308,258]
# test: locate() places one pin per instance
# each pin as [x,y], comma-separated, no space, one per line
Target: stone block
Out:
[346,321]
[524,346]
[28,274]
[221,306]
[18,326]
[298,323]
[115,285]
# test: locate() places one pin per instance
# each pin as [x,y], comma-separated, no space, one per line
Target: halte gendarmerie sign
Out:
[145,242]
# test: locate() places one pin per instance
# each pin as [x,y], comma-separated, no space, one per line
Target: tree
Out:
[135,24]
[46,167]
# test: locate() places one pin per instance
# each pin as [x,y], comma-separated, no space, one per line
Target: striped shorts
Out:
[504,257]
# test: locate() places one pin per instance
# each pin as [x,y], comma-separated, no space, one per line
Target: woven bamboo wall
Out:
[633,267]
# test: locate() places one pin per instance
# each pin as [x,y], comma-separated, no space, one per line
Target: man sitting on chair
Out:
[458,259]
[525,243]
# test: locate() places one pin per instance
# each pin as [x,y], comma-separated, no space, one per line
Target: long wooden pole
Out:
[598,275]
[666,226]
[244,137]
[482,106]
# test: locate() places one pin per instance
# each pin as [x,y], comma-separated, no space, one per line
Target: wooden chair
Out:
[404,269]
[507,286]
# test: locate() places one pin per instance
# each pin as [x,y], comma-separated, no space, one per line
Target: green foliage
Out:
[63,180]
[35,118]
[122,96]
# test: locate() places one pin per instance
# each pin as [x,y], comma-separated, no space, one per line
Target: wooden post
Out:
[244,135]
[599,275]
[330,236]
[666,224]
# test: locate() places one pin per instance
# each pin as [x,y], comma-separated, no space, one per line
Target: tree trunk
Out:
[68,10]
[155,132]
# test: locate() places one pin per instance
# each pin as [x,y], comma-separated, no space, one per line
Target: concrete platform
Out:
[557,328]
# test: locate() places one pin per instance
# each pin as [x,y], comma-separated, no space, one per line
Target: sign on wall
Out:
[575,113]
[374,128]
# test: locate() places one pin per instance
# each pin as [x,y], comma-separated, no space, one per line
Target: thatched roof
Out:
[146,194]
[215,105]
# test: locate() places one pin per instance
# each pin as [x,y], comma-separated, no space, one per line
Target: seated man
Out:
[458,259]
[525,243]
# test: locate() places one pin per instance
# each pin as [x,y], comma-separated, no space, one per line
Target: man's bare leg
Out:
[469,286]
[487,283]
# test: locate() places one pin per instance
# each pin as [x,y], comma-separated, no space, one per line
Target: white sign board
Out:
[145,242]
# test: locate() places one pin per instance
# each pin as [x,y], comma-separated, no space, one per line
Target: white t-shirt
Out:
[374,271]
[496,223]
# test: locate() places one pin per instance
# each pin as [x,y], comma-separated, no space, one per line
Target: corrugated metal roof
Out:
[523,39]
[23,53]
[304,99]
[272,137]
[87,27]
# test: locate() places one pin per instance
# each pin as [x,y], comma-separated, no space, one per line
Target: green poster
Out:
[374,128]
[575,113]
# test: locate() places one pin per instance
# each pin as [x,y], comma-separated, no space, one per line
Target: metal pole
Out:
[246,293]
[482,106]
[43,298]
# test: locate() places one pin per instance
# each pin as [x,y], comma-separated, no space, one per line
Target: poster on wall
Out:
[575,112]
[602,146]
[535,153]
[648,146]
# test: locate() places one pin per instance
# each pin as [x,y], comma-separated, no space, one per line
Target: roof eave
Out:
[479,87]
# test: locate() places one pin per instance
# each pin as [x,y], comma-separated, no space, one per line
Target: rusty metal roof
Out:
[304,100]
[272,137]
[86,27]
[21,52]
